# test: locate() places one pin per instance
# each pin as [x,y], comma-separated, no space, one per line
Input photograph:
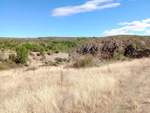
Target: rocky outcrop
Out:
[104,50]
[107,49]
[90,48]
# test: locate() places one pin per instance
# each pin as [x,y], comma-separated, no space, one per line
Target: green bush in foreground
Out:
[85,62]
[22,54]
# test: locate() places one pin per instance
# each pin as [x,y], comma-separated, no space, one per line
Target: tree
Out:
[22,54]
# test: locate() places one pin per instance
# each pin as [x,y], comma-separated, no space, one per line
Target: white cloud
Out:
[143,26]
[147,32]
[86,7]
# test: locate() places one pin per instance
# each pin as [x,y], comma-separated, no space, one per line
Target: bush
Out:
[28,46]
[85,62]
[12,57]
[2,60]
[118,56]
[22,54]
[2,67]
[42,52]
[60,46]
[8,64]
[82,39]
[59,60]
[46,62]
[138,44]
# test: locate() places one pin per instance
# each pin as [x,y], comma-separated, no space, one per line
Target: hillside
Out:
[66,50]
[75,75]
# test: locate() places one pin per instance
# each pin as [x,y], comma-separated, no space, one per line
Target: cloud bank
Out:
[143,26]
[86,7]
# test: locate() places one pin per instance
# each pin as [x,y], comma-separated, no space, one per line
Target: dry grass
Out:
[58,90]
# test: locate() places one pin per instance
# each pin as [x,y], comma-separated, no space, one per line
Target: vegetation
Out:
[60,46]
[31,69]
[2,67]
[22,54]
[61,90]
[71,90]
[118,56]
[8,65]
[79,40]
[55,46]
[130,45]
[85,62]
[2,60]
[12,57]
[59,60]
[138,44]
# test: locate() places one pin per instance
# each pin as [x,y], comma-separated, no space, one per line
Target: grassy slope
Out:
[58,90]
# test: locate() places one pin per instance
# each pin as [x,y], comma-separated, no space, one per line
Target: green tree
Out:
[28,46]
[22,54]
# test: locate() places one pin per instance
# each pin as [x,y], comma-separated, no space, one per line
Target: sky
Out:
[74,18]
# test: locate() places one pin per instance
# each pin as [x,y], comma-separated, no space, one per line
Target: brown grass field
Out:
[121,87]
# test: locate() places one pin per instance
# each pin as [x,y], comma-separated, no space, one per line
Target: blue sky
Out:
[74,18]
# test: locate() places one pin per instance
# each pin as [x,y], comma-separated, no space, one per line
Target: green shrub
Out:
[42,52]
[59,60]
[138,44]
[37,47]
[8,44]
[54,64]
[60,46]
[81,39]
[22,54]
[85,62]
[12,57]
[8,64]
[122,57]
[118,56]
[2,60]
[2,67]
[46,62]
[28,46]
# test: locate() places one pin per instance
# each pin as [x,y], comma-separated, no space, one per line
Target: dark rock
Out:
[141,54]
[102,50]
[130,50]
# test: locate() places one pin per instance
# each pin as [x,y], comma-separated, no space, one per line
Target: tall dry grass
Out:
[58,90]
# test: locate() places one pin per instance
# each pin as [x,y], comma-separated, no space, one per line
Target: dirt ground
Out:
[35,60]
